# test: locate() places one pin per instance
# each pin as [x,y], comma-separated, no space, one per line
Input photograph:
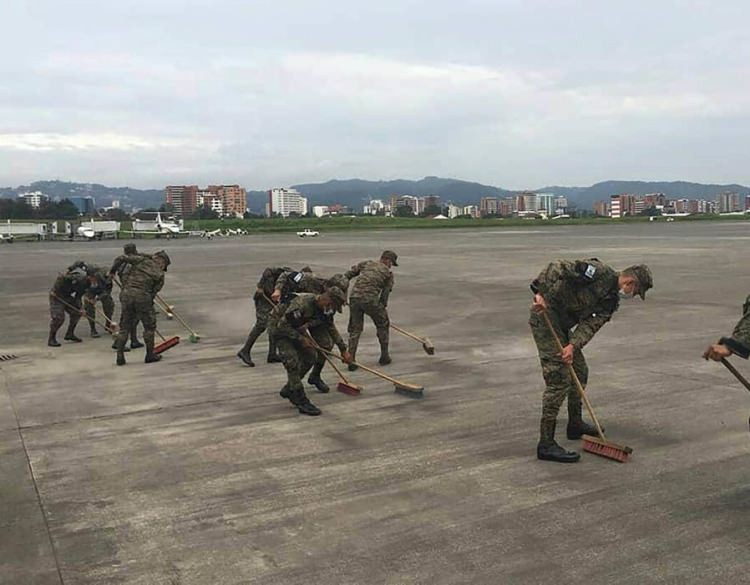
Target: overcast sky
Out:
[518,94]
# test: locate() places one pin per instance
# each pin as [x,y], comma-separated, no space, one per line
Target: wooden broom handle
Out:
[737,375]
[329,360]
[366,369]
[573,374]
[407,333]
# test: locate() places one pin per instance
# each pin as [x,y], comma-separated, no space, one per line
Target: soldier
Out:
[290,282]
[288,328]
[737,344]
[122,273]
[581,294]
[65,297]
[145,279]
[263,307]
[101,290]
[369,296]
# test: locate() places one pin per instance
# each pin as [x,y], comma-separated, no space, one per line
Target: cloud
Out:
[88,142]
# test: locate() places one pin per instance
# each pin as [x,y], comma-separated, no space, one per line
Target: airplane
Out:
[155,226]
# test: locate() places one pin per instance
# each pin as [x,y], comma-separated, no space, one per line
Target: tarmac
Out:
[194,470]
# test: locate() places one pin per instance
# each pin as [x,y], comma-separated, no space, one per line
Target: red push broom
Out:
[596,445]
[345,386]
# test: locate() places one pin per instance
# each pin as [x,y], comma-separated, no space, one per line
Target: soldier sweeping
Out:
[145,279]
[583,295]
[100,291]
[122,274]
[263,307]
[737,344]
[65,297]
[288,328]
[369,296]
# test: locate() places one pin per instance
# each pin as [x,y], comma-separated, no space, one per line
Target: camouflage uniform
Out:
[122,270]
[286,325]
[102,291]
[739,342]
[581,295]
[263,308]
[145,279]
[369,296]
[65,297]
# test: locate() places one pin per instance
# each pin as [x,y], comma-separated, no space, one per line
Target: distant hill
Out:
[103,195]
[585,197]
[355,192]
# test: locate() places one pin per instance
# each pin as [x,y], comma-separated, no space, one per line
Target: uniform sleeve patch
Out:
[590,271]
[297,277]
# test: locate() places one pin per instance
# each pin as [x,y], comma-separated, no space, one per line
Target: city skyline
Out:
[518,94]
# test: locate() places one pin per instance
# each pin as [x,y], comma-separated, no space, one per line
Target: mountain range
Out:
[355,192]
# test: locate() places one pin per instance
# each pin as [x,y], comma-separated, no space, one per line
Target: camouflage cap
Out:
[163,255]
[391,255]
[645,280]
[338,280]
[338,296]
[130,249]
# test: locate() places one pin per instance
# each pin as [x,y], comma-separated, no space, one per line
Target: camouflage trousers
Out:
[379,315]
[136,306]
[557,378]
[323,338]
[108,306]
[57,310]
[297,361]
[262,314]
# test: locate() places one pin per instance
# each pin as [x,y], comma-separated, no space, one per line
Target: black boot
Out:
[120,358]
[114,346]
[274,358]
[304,405]
[385,358]
[135,344]
[317,381]
[287,394]
[94,333]
[245,357]
[549,450]
[576,426]
[353,344]
[52,339]
[152,357]
[72,337]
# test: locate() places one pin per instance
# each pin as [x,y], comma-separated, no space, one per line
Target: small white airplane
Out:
[156,225]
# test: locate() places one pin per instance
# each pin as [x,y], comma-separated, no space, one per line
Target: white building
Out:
[34,199]
[454,211]
[285,202]
[211,201]
[545,202]
[374,206]
[320,210]
[530,202]
[472,210]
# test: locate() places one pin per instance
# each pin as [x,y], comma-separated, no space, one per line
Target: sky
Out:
[516,94]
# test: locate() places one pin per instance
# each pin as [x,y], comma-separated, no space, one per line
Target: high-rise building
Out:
[34,199]
[728,202]
[621,205]
[471,210]
[489,206]
[454,211]
[431,201]
[546,203]
[561,205]
[182,198]
[85,205]
[233,198]
[506,206]
[601,209]
[285,202]
[374,206]
[210,200]
[413,203]
[530,201]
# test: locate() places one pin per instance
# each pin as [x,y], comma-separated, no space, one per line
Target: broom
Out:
[78,310]
[111,327]
[194,337]
[399,387]
[737,375]
[596,445]
[425,341]
[345,385]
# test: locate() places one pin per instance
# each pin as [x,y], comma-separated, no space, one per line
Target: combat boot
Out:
[135,344]
[274,358]
[304,406]
[385,359]
[576,426]
[114,346]
[152,357]
[72,337]
[94,333]
[120,358]
[317,381]
[245,357]
[52,339]
[286,393]
[548,450]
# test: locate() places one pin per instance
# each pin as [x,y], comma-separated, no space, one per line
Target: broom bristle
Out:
[606,449]
[349,389]
[409,391]
[166,344]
